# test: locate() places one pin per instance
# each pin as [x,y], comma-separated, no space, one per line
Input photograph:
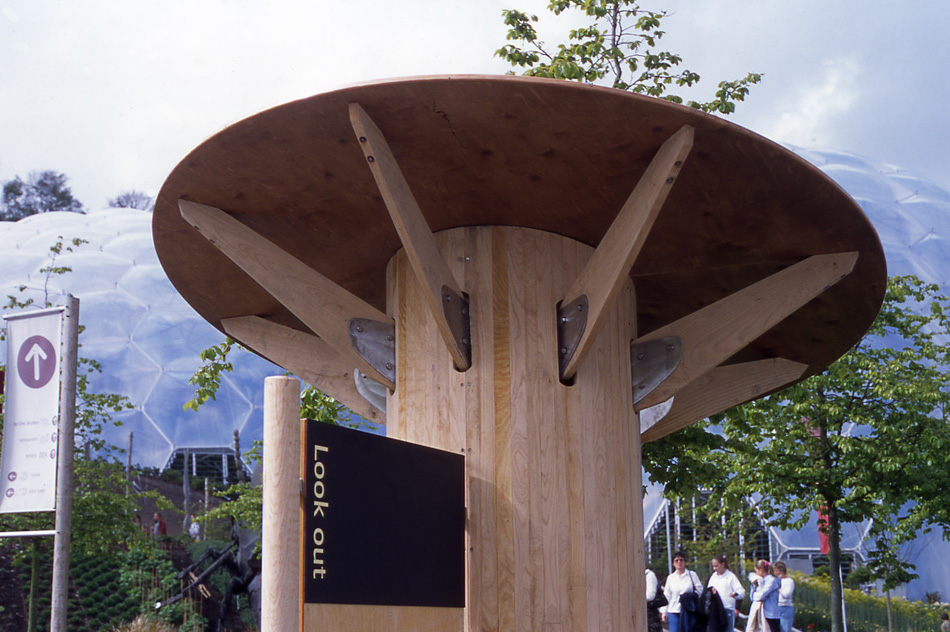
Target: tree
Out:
[132,199]
[864,441]
[618,45]
[42,192]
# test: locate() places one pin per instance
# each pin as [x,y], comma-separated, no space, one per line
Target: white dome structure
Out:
[137,326]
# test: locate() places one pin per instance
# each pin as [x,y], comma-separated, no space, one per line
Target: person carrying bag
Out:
[682,591]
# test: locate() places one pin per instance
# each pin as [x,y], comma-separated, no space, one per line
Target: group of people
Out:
[684,603]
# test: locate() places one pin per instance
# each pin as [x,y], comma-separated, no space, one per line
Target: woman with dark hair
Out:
[682,588]
[724,583]
[765,591]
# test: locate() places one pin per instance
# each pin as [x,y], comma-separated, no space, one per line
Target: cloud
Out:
[816,107]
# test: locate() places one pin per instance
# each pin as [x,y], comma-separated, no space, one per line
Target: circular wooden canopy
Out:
[544,154]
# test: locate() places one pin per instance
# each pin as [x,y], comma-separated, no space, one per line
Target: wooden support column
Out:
[280,539]
[555,527]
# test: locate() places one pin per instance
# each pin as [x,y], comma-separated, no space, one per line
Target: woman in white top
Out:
[786,589]
[724,583]
[678,583]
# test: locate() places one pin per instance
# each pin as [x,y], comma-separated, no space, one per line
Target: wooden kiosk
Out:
[542,275]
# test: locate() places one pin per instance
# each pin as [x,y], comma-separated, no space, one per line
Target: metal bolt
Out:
[358,328]
[468,258]
[563,319]
[362,139]
[371,159]
[641,386]
[563,350]
[669,180]
[580,308]
[678,163]
[448,298]
[390,338]
[670,348]
[639,356]
[389,365]
[464,341]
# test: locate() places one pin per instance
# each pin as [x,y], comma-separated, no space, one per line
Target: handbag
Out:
[659,601]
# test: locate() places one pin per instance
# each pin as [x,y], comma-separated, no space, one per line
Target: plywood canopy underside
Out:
[549,155]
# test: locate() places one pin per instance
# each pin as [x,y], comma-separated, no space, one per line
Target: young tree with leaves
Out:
[867,440]
[245,501]
[617,45]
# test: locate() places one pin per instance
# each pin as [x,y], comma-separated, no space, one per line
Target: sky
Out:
[114,93]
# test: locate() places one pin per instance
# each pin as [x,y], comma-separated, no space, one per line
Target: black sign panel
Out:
[384,521]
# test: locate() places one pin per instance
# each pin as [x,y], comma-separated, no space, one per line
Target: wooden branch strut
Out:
[444,296]
[615,255]
[714,333]
[307,357]
[721,388]
[322,305]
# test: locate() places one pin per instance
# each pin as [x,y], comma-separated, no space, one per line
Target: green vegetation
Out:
[866,613]
[616,45]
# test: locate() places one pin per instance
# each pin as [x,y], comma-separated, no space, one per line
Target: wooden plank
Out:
[609,267]
[306,356]
[325,616]
[414,232]
[322,305]
[714,333]
[721,388]
[280,543]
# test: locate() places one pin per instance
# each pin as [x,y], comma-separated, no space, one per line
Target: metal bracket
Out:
[652,362]
[376,343]
[457,315]
[370,390]
[571,323]
[649,417]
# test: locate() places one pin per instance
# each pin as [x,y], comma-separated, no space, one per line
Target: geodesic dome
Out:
[137,326]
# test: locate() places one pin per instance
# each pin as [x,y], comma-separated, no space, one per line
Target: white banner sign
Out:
[31,412]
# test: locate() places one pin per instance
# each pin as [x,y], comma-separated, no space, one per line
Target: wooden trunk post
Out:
[280,541]
[555,519]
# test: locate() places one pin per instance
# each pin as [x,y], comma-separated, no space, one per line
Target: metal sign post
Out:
[64,491]
[40,408]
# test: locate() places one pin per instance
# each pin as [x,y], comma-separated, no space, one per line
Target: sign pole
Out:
[280,538]
[64,475]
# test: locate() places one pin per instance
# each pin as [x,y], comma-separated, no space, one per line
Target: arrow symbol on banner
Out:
[36,355]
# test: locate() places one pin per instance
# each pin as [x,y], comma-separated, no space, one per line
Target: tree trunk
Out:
[834,560]
[186,492]
[890,623]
